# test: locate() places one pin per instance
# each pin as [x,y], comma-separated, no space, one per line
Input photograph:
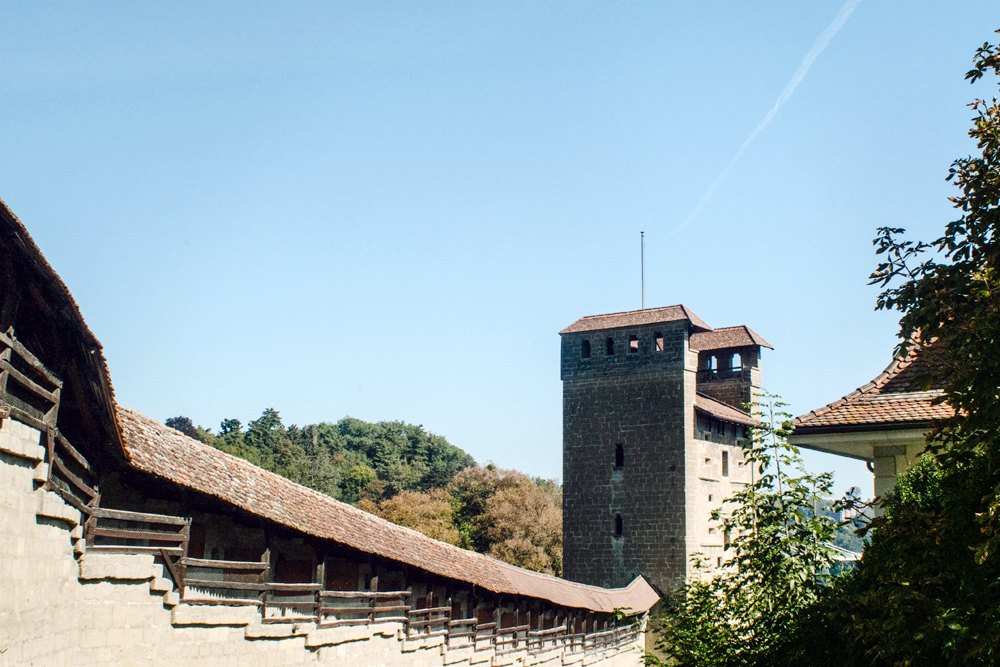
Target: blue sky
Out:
[389,210]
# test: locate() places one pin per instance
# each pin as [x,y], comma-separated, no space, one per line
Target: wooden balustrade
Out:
[226,582]
[26,384]
[375,605]
[136,532]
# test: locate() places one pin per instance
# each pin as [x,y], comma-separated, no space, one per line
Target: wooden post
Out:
[50,450]
[447,624]
[4,373]
[321,580]
[372,601]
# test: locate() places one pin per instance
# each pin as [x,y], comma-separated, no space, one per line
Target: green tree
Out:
[748,611]
[927,589]
[505,514]
[184,425]
[356,479]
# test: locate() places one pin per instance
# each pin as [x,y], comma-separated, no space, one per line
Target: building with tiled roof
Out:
[654,415]
[127,541]
[884,422]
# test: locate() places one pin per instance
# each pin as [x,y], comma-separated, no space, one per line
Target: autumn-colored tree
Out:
[429,513]
[523,525]
[506,514]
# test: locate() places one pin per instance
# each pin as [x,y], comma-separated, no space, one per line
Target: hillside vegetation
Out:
[409,476]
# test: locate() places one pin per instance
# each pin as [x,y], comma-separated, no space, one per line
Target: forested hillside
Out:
[339,459]
[409,476]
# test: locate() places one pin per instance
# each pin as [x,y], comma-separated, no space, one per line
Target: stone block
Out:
[464,654]
[94,565]
[54,507]
[351,633]
[160,585]
[189,614]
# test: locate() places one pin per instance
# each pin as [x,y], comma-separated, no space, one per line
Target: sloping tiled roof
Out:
[168,454]
[61,310]
[720,410]
[891,399]
[717,339]
[634,318]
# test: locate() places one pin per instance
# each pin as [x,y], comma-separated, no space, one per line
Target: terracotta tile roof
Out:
[634,318]
[893,398]
[720,410]
[61,309]
[717,339]
[166,453]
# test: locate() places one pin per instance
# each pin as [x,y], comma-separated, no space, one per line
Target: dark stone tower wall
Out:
[639,400]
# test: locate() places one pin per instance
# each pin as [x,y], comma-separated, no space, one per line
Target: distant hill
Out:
[339,459]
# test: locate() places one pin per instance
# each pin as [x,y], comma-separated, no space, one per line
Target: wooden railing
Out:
[226,582]
[137,532]
[31,394]
[26,384]
[358,607]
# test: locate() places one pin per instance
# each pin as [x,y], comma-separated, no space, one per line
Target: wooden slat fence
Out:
[227,582]
[359,607]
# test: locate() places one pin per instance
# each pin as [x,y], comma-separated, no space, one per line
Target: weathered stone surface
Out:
[94,565]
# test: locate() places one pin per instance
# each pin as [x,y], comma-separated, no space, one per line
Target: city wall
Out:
[61,604]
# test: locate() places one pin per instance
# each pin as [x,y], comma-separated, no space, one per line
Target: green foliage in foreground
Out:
[779,564]
[927,590]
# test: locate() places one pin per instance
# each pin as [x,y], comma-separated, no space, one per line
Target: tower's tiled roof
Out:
[890,400]
[633,318]
[720,410]
[169,454]
[724,337]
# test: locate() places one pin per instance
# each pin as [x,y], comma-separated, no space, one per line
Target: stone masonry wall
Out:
[60,606]
[638,400]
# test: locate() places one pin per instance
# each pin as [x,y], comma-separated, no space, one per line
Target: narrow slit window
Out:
[727,538]
[725,464]
[633,344]
[585,349]
[618,525]
[609,346]
[657,341]
[619,456]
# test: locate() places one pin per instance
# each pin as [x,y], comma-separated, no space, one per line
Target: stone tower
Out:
[652,420]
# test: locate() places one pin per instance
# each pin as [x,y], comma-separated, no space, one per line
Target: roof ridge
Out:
[897,365]
[686,310]
[158,447]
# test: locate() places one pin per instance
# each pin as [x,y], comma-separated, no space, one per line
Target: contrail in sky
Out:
[817,48]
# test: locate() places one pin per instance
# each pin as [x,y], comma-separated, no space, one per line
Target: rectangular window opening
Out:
[725,464]
[609,347]
[585,349]
[657,341]
[618,525]
[619,456]
[633,344]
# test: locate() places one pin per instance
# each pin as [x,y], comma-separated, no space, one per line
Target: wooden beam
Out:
[30,358]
